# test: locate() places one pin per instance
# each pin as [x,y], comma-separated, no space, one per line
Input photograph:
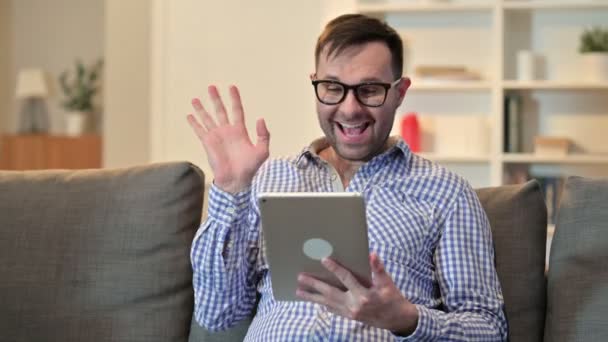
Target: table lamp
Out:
[32,91]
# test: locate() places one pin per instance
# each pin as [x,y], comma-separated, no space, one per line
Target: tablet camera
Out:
[317,249]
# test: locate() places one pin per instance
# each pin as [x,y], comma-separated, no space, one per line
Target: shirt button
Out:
[230,210]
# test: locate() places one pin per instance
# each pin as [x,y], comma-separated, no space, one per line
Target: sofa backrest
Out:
[518,217]
[98,255]
[577,288]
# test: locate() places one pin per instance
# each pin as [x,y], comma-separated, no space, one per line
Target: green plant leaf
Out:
[594,39]
[80,89]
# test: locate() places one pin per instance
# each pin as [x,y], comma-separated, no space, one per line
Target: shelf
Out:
[554,85]
[454,159]
[554,4]
[570,159]
[380,8]
[422,7]
[419,85]
[484,36]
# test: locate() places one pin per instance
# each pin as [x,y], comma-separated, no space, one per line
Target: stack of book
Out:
[436,73]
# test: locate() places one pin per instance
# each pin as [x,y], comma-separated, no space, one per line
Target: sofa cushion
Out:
[98,255]
[577,293]
[518,217]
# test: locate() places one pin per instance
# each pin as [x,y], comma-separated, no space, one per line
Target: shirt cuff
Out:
[428,328]
[226,208]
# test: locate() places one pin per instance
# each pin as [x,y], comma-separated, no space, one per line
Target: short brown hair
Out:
[356,29]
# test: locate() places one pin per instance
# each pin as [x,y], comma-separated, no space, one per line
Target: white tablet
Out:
[301,228]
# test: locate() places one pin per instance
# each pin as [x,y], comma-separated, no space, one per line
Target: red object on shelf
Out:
[410,131]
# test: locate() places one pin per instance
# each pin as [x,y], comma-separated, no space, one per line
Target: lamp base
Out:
[34,118]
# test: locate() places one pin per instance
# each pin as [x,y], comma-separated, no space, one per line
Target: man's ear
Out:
[312,76]
[403,87]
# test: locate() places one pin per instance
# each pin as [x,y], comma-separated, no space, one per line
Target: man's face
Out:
[357,132]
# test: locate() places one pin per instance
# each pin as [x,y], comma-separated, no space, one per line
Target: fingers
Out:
[238,113]
[344,275]
[206,119]
[196,127]
[220,110]
[376,264]
[312,297]
[315,290]
[263,140]
[380,276]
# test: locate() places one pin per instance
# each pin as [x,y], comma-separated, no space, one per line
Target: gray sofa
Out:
[103,255]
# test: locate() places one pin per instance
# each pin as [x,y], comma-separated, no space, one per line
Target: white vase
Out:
[76,123]
[595,67]
[526,62]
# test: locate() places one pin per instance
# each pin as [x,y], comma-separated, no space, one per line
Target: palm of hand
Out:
[232,156]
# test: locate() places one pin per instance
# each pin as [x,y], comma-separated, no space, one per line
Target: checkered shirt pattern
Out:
[425,223]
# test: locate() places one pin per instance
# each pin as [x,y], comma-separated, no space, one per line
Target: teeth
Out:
[352,126]
[352,130]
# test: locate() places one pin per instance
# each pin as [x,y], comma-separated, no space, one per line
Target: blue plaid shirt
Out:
[425,223]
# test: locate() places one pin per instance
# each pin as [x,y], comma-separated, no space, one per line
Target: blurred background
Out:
[503,90]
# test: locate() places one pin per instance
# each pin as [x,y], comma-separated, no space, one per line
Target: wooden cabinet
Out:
[36,152]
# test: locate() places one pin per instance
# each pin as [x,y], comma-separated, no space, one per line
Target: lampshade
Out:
[31,83]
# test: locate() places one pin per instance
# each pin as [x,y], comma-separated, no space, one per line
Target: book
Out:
[513,124]
[440,73]
[552,146]
[434,70]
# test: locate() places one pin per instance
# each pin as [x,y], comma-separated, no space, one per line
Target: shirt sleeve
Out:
[468,282]
[224,261]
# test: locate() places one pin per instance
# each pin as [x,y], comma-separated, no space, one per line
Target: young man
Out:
[431,248]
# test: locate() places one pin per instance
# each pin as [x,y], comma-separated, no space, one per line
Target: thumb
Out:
[263,140]
[380,276]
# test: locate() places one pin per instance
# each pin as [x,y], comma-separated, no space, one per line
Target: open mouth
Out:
[353,130]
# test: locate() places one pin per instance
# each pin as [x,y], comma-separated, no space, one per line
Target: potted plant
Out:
[594,49]
[79,89]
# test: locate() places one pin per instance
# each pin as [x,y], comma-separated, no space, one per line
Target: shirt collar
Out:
[311,152]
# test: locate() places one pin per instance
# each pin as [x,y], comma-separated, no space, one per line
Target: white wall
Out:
[5,63]
[264,47]
[51,35]
[126,122]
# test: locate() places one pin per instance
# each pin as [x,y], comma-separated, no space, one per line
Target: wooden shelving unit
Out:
[485,36]
[553,85]
[412,7]
[531,158]
[553,4]
[455,158]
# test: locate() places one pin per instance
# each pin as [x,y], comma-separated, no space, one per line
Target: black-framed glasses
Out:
[370,94]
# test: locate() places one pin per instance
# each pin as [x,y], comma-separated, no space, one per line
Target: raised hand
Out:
[232,156]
